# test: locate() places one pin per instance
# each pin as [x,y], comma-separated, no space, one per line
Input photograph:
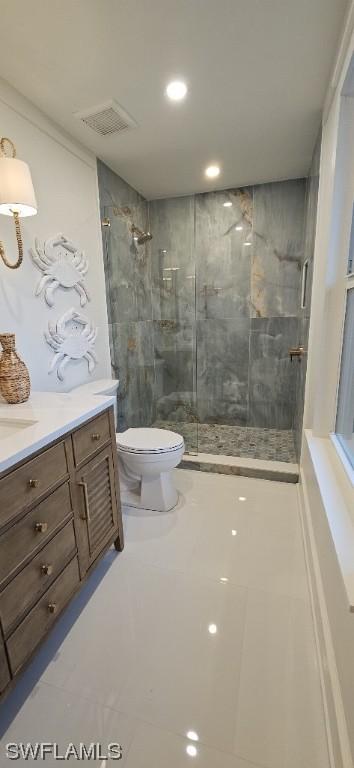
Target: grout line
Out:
[139,721]
[204,579]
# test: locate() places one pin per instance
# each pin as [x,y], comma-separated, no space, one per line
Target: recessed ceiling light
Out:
[239,228]
[228,204]
[212,629]
[193,736]
[233,532]
[191,750]
[212,171]
[176,90]
[242,498]
[224,579]
[247,243]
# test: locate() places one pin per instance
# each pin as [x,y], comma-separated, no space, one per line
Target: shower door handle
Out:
[296,352]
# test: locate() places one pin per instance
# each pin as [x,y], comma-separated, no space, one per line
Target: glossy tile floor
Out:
[193,646]
[247,442]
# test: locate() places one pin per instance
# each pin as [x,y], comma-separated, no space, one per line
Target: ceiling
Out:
[257,72]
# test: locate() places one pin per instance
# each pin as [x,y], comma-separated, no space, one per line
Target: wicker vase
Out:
[15,385]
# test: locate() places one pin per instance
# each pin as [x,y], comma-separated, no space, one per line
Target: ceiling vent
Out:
[107,118]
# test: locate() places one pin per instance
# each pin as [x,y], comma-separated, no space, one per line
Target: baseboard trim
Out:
[337,736]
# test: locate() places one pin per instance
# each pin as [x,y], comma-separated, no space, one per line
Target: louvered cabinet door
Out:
[98,504]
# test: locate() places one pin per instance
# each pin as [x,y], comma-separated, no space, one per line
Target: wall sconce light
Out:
[17,196]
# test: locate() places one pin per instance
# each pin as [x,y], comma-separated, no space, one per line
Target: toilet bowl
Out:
[146,458]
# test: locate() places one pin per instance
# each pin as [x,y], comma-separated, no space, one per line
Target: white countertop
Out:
[50,415]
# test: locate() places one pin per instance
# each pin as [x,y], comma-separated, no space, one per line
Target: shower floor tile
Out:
[246,442]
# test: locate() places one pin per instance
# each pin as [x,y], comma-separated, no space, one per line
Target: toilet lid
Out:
[149,440]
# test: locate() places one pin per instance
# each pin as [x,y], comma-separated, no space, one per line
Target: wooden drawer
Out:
[28,586]
[91,437]
[35,626]
[4,669]
[24,485]
[22,540]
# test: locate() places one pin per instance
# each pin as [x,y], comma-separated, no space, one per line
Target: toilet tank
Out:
[105,387]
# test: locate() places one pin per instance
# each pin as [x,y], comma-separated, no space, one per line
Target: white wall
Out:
[65,181]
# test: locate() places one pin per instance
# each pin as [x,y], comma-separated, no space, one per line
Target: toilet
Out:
[146,458]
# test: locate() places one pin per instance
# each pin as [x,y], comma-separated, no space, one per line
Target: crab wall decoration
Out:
[72,338]
[63,265]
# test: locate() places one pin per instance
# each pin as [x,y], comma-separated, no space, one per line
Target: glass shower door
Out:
[151,308]
[171,223]
[129,303]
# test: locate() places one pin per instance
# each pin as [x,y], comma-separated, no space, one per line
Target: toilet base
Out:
[157,494]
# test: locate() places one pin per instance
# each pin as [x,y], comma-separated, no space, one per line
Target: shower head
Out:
[141,237]
[144,237]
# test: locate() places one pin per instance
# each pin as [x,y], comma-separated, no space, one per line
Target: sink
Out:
[9,427]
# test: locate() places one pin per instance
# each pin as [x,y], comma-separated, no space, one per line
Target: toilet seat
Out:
[149,441]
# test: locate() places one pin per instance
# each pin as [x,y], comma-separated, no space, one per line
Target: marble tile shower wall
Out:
[129,299]
[226,301]
[202,317]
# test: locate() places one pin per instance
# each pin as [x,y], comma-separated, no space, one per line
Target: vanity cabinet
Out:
[59,512]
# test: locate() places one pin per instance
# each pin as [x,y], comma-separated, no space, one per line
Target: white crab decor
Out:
[72,338]
[63,265]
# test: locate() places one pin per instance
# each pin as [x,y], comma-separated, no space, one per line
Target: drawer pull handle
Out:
[52,607]
[46,569]
[33,483]
[96,436]
[87,506]
[41,527]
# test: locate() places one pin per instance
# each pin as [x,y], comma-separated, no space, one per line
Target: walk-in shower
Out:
[203,315]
